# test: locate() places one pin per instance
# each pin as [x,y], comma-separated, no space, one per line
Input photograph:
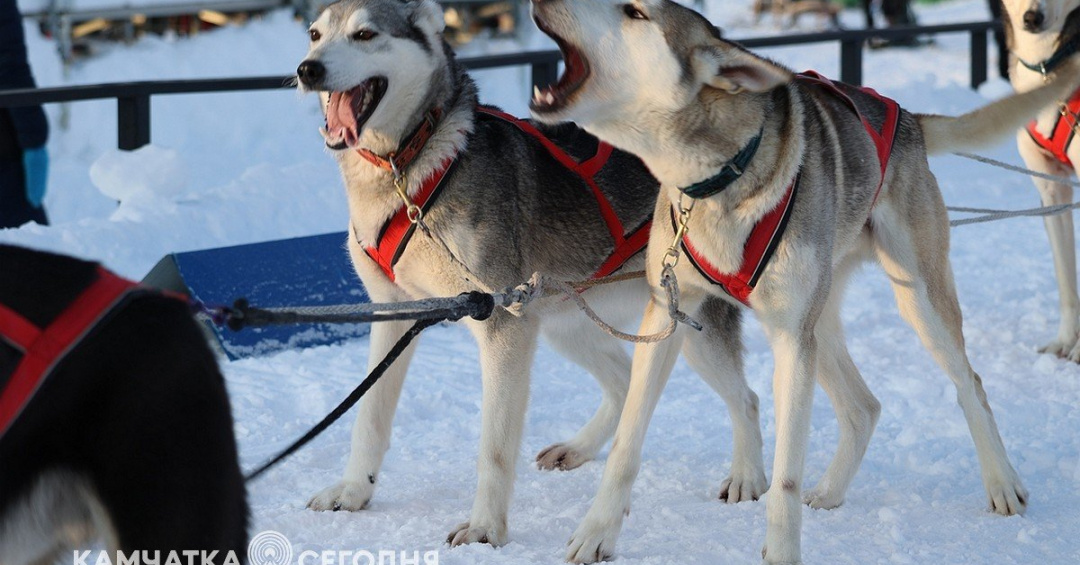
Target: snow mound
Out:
[149,173]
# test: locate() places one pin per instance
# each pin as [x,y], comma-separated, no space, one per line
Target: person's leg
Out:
[15,210]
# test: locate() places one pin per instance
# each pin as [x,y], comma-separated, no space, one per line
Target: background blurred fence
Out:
[133,98]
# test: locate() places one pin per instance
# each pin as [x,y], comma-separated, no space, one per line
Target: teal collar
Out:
[1063,52]
[729,173]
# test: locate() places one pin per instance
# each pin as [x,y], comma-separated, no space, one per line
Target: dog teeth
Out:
[543,97]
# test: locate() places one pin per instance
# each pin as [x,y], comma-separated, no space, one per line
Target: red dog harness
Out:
[44,348]
[1063,133]
[398,230]
[766,234]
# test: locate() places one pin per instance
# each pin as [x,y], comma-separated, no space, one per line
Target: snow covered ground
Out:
[249,166]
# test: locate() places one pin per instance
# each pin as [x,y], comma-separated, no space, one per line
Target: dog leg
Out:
[507,345]
[922,281]
[1059,229]
[371,431]
[716,354]
[594,540]
[794,348]
[856,408]
[608,362]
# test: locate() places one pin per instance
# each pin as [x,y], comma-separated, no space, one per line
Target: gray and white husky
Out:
[506,209]
[1039,33]
[656,79]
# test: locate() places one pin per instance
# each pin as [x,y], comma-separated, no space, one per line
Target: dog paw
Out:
[349,496]
[1057,348]
[820,498]
[765,559]
[594,541]
[743,487]
[561,457]
[1074,354]
[465,533]
[1007,497]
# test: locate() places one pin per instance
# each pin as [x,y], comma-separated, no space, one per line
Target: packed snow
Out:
[242,167]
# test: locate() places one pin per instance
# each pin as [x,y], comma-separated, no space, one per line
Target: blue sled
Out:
[303,271]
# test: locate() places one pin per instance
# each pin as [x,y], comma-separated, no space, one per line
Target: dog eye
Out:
[314,35]
[364,35]
[633,12]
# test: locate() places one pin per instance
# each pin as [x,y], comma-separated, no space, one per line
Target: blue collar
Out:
[1063,52]
[729,173]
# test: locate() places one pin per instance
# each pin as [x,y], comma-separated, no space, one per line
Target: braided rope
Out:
[1009,167]
[993,215]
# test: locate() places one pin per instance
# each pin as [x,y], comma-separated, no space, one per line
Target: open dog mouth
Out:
[576,72]
[348,111]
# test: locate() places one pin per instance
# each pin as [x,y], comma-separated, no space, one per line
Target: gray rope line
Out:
[423,305]
[992,215]
[995,215]
[515,300]
[1009,167]
[669,283]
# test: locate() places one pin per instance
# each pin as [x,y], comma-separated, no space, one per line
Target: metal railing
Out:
[133,98]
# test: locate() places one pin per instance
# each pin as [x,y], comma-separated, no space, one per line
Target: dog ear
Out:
[428,16]
[733,70]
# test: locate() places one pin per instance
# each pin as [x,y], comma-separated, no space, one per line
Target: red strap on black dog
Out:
[43,349]
[395,234]
[626,245]
[1064,132]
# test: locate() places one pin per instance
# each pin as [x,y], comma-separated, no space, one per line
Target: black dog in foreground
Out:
[114,420]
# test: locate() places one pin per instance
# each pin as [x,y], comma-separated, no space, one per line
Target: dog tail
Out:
[996,120]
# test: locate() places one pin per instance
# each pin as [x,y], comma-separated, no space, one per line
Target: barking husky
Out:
[1043,34]
[508,204]
[746,143]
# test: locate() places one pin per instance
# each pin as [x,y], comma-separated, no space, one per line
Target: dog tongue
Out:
[341,117]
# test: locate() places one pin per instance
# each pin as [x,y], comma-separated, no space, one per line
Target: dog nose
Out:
[311,73]
[1033,20]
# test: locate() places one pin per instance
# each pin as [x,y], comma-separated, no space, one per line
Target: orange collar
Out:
[398,161]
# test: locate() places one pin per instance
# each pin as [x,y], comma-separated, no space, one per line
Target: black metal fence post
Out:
[851,61]
[979,58]
[133,121]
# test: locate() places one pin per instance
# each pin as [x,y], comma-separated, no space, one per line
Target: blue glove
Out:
[36,167]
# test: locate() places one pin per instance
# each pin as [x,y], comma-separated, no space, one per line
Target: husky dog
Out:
[657,79]
[128,438]
[506,208]
[1041,35]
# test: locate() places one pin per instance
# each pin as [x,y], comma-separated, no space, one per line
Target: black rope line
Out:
[476,305]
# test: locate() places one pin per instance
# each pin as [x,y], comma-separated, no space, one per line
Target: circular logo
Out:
[269,548]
